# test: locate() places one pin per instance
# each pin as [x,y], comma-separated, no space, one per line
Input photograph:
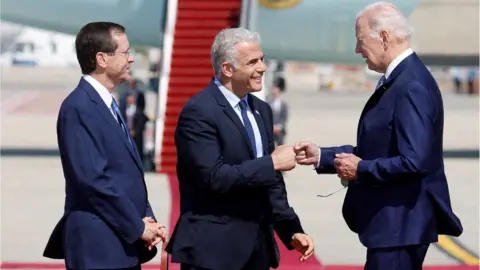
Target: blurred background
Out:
[313,74]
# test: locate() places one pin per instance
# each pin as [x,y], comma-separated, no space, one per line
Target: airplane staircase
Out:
[197,23]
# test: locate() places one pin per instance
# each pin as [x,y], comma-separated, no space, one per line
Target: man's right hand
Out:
[153,232]
[283,158]
[308,153]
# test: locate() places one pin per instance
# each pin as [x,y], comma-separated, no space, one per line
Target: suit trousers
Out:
[396,258]
[138,267]
[259,259]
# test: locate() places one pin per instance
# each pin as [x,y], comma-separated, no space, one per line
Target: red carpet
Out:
[55,266]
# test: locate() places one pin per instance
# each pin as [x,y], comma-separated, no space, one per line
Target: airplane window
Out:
[24,47]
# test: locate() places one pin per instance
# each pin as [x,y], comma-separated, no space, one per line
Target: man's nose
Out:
[262,68]
[358,49]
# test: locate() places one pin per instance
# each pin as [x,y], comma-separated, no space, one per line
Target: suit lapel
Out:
[377,95]
[110,120]
[228,110]
[260,123]
[234,117]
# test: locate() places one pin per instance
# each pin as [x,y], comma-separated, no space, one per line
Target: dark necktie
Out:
[380,82]
[116,110]
[248,126]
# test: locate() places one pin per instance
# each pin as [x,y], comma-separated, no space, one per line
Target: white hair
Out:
[223,48]
[386,16]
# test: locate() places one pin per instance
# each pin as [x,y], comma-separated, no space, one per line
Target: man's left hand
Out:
[161,233]
[346,166]
[303,244]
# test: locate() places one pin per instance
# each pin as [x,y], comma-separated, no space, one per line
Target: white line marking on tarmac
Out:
[17,101]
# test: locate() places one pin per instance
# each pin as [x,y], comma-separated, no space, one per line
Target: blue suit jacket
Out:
[106,196]
[401,193]
[226,195]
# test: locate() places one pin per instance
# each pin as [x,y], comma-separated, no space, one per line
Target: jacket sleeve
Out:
[149,212]
[327,156]
[414,115]
[285,221]
[196,139]
[83,156]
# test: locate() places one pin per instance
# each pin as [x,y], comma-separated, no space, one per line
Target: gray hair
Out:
[223,48]
[386,16]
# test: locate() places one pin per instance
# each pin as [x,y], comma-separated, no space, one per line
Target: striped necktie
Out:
[118,115]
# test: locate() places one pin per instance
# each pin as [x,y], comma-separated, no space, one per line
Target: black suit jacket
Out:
[226,196]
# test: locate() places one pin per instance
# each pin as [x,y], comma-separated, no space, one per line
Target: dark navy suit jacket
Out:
[401,193]
[106,196]
[226,196]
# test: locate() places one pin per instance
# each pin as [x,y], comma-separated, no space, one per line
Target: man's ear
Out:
[101,59]
[227,69]
[385,36]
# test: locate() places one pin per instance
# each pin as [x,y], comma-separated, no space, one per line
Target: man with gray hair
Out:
[397,200]
[232,193]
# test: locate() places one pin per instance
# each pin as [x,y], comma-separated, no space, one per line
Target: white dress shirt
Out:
[397,61]
[105,95]
[234,101]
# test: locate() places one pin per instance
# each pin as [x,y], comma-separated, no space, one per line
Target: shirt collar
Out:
[232,99]
[397,61]
[105,95]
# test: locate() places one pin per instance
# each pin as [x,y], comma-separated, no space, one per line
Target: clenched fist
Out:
[307,153]
[283,158]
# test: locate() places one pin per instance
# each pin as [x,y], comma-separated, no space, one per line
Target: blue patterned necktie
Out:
[380,82]
[116,110]
[248,126]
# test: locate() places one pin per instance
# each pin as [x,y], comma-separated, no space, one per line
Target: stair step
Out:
[207,5]
[193,58]
[169,149]
[188,82]
[192,52]
[169,160]
[205,33]
[173,111]
[187,72]
[170,121]
[191,63]
[178,101]
[167,169]
[186,90]
[186,94]
[232,16]
[192,42]
[217,24]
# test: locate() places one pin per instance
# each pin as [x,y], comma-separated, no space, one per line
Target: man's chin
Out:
[256,87]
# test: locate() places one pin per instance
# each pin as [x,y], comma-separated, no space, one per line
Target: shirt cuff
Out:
[319,157]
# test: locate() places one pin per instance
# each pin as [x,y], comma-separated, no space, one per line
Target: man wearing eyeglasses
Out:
[108,222]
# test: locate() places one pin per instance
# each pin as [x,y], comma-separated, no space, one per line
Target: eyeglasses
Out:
[330,194]
[126,53]
[344,184]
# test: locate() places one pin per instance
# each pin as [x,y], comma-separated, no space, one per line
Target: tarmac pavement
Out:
[32,184]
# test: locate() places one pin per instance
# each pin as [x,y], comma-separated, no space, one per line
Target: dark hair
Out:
[280,83]
[93,38]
